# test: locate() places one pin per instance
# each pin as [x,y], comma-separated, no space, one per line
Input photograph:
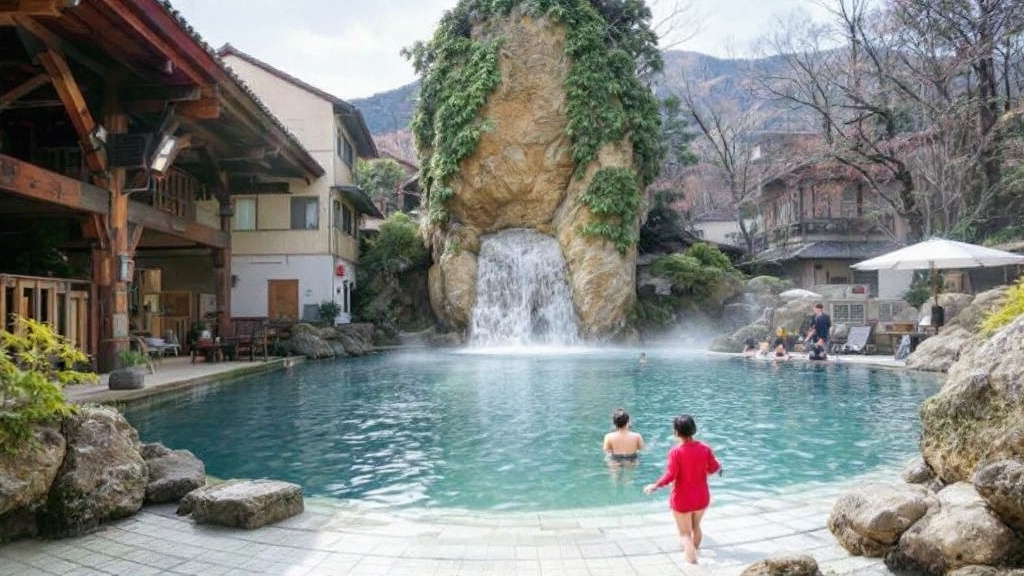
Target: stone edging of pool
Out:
[180,379]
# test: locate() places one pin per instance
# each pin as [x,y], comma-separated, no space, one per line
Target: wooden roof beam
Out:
[23,89]
[33,7]
[201,109]
[168,50]
[77,109]
[54,42]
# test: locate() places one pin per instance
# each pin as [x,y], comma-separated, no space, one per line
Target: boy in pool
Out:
[689,465]
[622,445]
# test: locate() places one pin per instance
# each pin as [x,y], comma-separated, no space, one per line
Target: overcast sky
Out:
[350,48]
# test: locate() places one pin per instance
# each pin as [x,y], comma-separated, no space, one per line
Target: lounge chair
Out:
[857,341]
[161,347]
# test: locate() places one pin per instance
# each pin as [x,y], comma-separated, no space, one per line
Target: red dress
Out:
[689,465]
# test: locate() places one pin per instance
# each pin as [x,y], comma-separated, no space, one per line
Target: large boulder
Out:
[25,478]
[971,316]
[961,532]
[917,471]
[985,571]
[243,503]
[978,415]
[868,520]
[784,565]
[172,473]
[357,338]
[1001,484]
[103,476]
[522,175]
[26,475]
[307,340]
[939,352]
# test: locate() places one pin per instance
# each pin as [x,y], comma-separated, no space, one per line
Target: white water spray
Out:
[522,295]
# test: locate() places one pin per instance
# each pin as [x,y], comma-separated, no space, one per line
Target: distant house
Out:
[819,218]
[407,197]
[295,243]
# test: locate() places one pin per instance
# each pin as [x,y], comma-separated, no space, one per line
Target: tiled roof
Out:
[826,250]
[173,12]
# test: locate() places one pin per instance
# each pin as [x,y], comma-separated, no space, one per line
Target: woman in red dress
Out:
[689,464]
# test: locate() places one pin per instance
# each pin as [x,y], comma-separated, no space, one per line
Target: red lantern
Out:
[339,270]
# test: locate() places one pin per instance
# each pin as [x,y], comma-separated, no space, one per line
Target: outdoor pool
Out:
[523,431]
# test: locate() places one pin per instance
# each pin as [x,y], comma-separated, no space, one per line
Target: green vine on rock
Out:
[613,197]
[608,97]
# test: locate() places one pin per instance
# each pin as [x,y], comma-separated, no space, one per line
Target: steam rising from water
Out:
[522,295]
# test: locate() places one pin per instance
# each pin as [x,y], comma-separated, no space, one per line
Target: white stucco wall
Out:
[316,276]
[308,116]
[893,283]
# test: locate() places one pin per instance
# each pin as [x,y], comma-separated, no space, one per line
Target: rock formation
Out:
[102,477]
[963,531]
[784,565]
[978,415]
[243,503]
[172,473]
[522,175]
[355,339]
[25,479]
[938,353]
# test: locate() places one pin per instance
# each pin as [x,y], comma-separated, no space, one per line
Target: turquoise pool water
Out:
[523,431]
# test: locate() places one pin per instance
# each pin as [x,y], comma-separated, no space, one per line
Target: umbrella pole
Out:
[935,286]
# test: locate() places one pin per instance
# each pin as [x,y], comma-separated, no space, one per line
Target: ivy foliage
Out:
[35,365]
[613,197]
[613,53]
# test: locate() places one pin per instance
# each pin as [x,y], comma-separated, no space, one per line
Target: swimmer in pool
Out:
[623,445]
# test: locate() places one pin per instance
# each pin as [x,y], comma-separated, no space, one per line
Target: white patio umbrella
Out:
[938,254]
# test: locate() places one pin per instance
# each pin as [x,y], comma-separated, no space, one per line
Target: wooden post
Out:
[114,337]
[222,267]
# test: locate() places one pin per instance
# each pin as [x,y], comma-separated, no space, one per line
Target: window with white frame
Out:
[889,311]
[848,313]
[305,212]
[245,214]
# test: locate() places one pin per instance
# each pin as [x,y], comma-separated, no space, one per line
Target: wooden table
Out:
[212,350]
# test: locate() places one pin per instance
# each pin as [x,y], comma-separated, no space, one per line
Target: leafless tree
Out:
[911,92]
[729,147]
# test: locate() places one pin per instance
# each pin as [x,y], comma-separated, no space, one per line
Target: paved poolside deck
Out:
[337,538]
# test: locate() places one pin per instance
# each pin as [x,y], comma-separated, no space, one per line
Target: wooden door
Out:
[283,299]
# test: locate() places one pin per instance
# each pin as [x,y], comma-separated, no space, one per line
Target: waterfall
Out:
[522,295]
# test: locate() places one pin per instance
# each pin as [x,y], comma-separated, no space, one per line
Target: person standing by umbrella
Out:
[821,327]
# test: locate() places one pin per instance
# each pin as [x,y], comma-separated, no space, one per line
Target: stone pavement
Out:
[332,538]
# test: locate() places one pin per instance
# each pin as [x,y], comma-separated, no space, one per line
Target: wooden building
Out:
[122,136]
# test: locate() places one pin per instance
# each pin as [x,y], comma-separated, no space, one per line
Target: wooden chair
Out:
[250,337]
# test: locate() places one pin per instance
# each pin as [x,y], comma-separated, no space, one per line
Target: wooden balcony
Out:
[174,193]
[831,229]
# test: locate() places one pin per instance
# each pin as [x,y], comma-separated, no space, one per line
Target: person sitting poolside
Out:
[780,352]
[749,347]
[818,350]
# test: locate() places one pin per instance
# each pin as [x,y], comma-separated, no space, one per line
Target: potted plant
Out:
[132,373]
